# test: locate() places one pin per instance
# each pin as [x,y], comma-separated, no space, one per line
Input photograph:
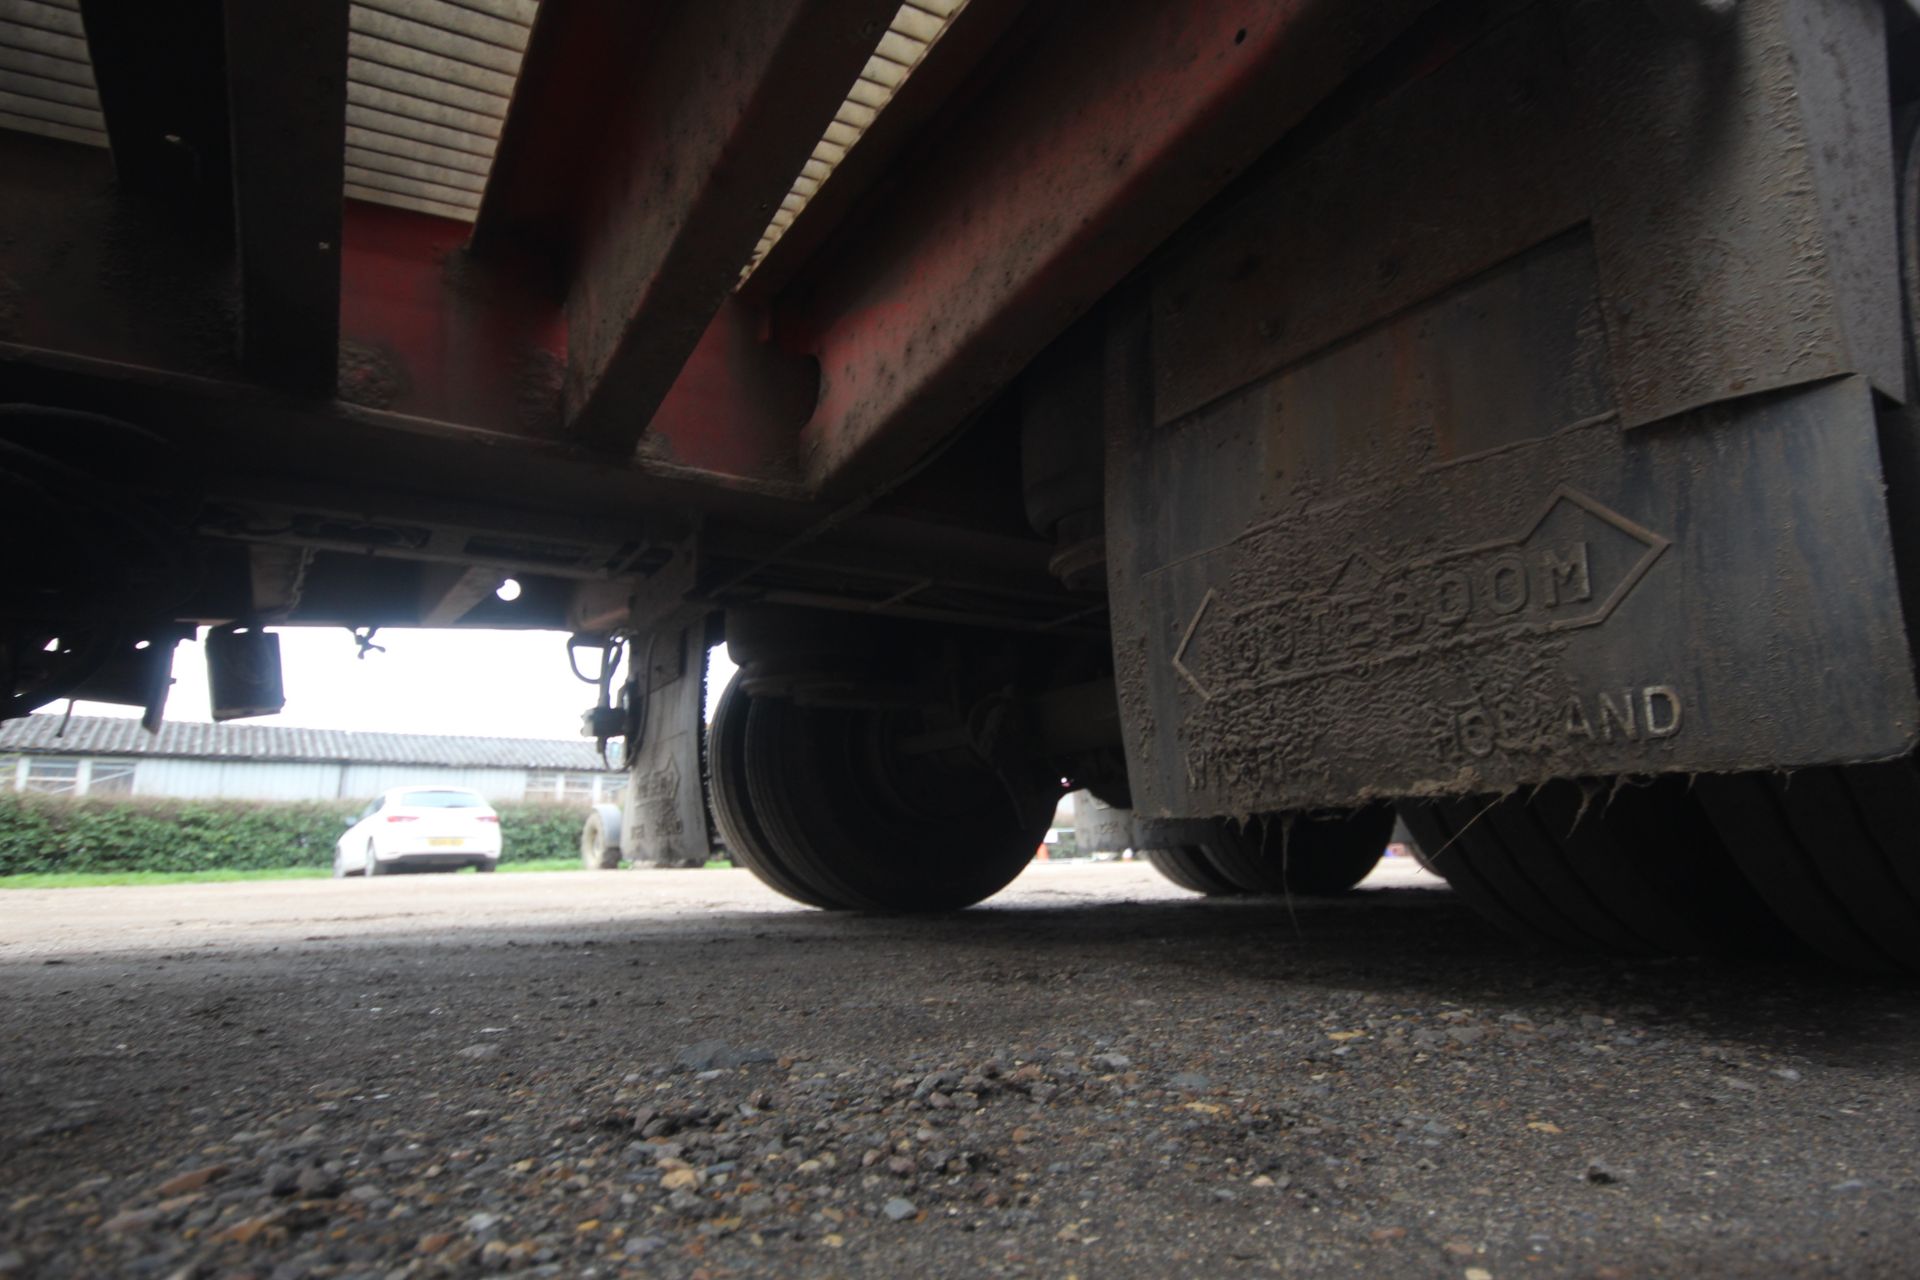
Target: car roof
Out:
[406,791]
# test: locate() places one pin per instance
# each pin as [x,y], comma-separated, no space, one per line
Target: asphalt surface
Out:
[678,1074]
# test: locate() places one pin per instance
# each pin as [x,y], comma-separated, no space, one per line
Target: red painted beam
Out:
[428,332]
[1107,128]
[734,413]
[575,82]
[697,117]
[940,83]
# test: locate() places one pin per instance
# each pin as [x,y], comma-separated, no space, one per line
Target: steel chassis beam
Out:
[161,70]
[1107,128]
[697,118]
[287,85]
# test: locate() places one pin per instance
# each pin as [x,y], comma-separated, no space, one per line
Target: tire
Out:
[600,838]
[740,830]
[485,868]
[1832,853]
[1438,831]
[1295,854]
[1187,865]
[1627,868]
[878,829]
[373,867]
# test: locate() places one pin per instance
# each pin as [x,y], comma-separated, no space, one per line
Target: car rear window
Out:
[442,800]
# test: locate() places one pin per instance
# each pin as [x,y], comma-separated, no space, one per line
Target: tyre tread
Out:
[1189,867]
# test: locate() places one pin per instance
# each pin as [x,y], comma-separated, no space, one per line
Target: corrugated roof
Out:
[427,89]
[114,736]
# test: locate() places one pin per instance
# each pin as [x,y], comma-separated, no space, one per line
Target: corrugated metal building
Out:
[104,755]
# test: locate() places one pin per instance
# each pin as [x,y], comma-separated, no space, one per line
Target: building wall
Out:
[285,780]
[499,786]
[235,780]
[348,782]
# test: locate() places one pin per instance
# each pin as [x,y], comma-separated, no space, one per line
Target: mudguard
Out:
[664,812]
[1525,428]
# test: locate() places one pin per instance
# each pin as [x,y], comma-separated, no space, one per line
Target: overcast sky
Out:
[508,684]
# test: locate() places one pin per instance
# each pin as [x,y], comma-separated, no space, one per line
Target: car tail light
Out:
[403,817]
[489,817]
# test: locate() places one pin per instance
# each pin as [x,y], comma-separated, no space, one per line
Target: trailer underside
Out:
[1277,410]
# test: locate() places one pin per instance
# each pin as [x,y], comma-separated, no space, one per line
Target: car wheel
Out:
[486,866]
[372,867]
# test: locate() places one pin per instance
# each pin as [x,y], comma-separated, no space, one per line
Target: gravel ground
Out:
[675,1074]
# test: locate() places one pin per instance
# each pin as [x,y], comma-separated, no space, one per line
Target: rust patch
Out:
[372,376]
[539,384]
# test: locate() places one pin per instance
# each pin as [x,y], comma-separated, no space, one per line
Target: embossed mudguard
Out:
[664,813]
[1523,427]
[1378,606]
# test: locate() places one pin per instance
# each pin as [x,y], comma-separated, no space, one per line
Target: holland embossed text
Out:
[1479,726]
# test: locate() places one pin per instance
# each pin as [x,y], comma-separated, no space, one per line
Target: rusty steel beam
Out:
[575,82]
[161,73]
[429,332]
[424,331]
[940,83]
[248,442]
[87,269]
[1107,127]
[287,89]
[735,411]
[669,137]
[730,109]
[736,408]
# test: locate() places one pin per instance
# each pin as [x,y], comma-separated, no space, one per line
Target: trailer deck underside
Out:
[1265,409]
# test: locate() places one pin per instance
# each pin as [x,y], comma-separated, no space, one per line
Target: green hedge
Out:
[46,833]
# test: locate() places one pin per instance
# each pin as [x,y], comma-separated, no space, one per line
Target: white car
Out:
[420,829]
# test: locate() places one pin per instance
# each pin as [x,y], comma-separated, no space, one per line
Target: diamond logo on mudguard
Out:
[1572,567]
